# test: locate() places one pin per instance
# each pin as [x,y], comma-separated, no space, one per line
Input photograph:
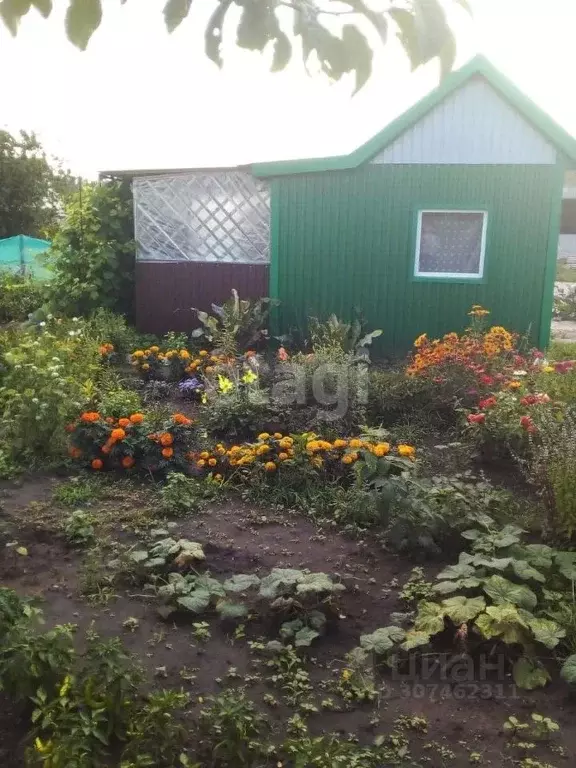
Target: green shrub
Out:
[393,396]
[182,495]
[92,254]
[19,296]
[238,325]
[47,376]
[561,350]
[119,401]
[110,327]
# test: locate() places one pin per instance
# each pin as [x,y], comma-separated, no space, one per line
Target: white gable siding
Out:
[472,126]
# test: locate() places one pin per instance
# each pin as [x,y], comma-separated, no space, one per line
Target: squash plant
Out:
[495,592]
[298,596]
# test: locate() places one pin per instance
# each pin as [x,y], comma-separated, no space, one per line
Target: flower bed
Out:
[130,442]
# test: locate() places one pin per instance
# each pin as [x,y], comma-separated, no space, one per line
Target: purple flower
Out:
[190,385]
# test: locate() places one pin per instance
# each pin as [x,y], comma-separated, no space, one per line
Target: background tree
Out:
[334,30]
[32,190]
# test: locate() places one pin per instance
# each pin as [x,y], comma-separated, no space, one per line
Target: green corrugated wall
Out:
[346,239]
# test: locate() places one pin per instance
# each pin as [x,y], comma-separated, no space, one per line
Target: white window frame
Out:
[451,275]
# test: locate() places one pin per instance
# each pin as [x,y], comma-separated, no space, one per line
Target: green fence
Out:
[24,254]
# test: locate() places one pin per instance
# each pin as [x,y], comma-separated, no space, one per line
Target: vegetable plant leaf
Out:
[524,570]
[272,584]
[503,591]
[382,639]
[502,621]
[529,674]
[305,636]
[196,601]
[430,618]
[317,582]
[463,609]
[414,639]
[241,582]
[568,671]
[458,571]
[229,610]
[547,631]
[139,555]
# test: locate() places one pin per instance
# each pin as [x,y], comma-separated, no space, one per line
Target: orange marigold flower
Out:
[124,422]
[201,463]
[355,443]
[180,418]
[109,420]
[263,436]
[381,449]
[154,349]
[137,418]
[212,462]
[339,443]
[286,442]
[349,458]
[407,451]
[166,438]
[167,452]
[270,466]
[283,456]
[90,416]
[106,448]
[97,464]
[262,449]
[117,434]
[74,452]
[204,455]
[128,461]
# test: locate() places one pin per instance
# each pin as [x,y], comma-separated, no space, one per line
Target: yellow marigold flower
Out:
[346,675]
[235,449]
[184,354]
[381,449]
[286,442]
[283,456]
[145,366]
[212,462]
[514,384]
[203,353]
[147,352]
[205,455]
[407,451]
[262,449]
[355,443]
[317,461]
[270,466]
[155,349]
[349,458]
[201,463]
[138,353]
[263,436]
[213,359]
[277,435]
[339,443]
[421,340]
[220,450]
[548,369]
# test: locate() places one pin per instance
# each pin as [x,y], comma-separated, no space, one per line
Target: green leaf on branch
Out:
[547,632]
[196,602]
[503,621]
[175,11]
[568,671]
[82,20]
[463,609]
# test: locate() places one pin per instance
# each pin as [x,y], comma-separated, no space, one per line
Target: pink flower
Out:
[282,355]
[476,418]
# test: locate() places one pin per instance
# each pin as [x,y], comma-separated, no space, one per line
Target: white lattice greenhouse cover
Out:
[218,216]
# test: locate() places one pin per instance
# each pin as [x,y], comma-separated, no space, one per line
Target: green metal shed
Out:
[456,202]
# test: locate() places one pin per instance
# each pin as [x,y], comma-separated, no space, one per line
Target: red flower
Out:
[489,402]
[564,366]
[476,418]
[529,400]
[486,380]
[527,424]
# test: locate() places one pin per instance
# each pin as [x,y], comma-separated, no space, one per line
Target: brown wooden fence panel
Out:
[167,291]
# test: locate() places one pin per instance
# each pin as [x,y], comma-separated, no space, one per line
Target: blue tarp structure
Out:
[23,254]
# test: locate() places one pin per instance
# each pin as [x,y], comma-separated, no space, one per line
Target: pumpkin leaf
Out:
[241,582]
[503,591]
[305,636]
[502,621]
[547,632]
[524,570]
[382,640]
[430,618]
[461,609]
[229,610]
[414,639]
[196,601]
[568,671]
[529,674]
